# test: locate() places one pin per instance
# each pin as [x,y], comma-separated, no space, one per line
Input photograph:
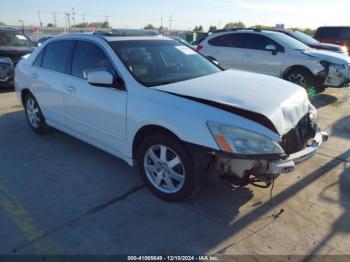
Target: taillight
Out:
[199,48]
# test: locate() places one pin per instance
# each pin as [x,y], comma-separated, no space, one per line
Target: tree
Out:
[232,25]
[263,27]
[2,23]
[308,31]
[81,25]
[150,26]
[99,24]
[198,29]
[50,25]
[212,28]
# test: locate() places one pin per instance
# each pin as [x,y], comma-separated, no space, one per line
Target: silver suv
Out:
[276,54]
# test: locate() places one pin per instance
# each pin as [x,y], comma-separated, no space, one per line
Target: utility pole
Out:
[40,22]
[67,20]
[161,21]
[170,22]
[54,19]
[21,21]
[73,16]
[83,16]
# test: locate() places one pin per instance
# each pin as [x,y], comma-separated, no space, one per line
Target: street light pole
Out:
[21,21]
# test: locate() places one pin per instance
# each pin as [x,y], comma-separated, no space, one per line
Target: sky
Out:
[185,14]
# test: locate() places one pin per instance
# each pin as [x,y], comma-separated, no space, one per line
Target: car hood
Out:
[283,103]
[328,56]
[15,50]
[330,47]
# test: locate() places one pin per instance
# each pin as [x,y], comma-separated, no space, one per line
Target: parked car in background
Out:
[339,35]
[134,32]
[42,40]
[182,41]
[13,45]
[276,54]
[161,106]
[313,43]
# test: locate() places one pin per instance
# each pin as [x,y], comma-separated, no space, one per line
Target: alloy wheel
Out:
[33,112]
[164,169]
[298,79]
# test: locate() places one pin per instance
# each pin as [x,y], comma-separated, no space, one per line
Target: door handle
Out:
[34,76]
[71,89]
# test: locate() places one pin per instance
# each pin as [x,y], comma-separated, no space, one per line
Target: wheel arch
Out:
[295,67]
[147,130]
[24,93]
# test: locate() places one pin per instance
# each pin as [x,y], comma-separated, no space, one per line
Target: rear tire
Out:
[167,168]
[34,115]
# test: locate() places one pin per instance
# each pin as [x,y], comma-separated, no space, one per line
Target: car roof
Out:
[243,30]
[109,38]
[341,27]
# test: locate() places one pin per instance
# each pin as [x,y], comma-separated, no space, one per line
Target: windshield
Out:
[289,42]
[160,62]
[14,39]
[306,39]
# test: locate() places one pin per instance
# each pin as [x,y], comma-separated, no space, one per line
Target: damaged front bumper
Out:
[288,165]
[338,75]
[258,165]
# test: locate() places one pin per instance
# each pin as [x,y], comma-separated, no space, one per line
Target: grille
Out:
[297,138]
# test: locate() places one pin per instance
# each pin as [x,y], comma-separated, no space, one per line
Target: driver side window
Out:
[89,57]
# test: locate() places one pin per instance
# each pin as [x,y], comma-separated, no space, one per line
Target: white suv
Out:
[276,54]
[160,105]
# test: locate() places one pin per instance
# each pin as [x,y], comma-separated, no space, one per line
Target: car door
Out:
[229,50]
[258,59]
[96,113]
[48,74]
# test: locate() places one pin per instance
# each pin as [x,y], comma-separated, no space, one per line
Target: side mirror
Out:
[100,78]
[272,49]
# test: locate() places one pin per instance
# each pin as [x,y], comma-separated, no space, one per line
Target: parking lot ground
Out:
[59,195]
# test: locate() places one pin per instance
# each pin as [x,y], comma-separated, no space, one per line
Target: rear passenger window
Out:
[229,40]
[89,57]
[259,42]
[57,56]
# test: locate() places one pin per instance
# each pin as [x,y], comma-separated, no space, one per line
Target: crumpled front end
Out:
[338,75]
[299,144]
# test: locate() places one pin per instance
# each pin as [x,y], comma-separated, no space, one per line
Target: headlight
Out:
[241,141]
[6,60]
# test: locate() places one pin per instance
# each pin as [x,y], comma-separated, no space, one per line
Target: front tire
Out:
[301,77]
[34,115]
[167,167]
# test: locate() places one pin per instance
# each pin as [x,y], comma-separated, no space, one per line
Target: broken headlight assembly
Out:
[241,141]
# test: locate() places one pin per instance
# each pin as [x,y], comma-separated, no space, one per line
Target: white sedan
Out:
[158,104]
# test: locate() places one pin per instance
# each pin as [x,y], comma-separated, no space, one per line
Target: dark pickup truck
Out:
[13,45]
